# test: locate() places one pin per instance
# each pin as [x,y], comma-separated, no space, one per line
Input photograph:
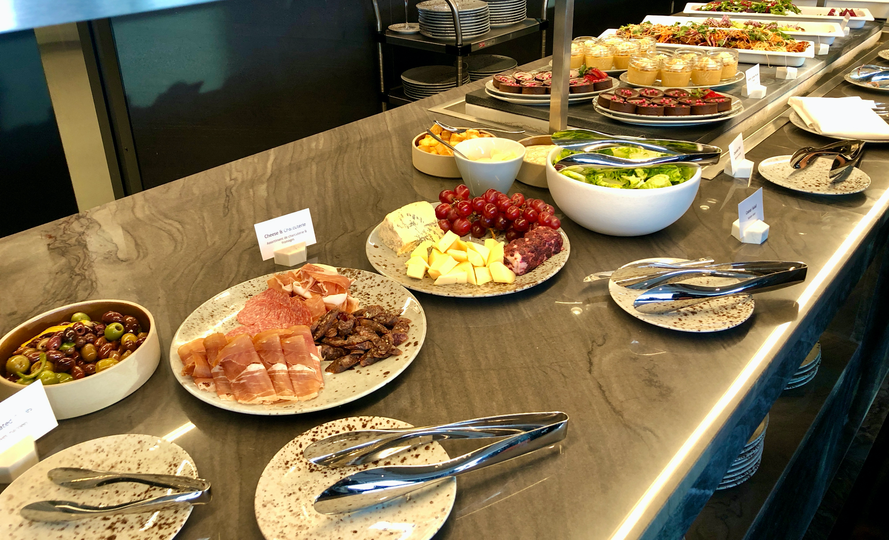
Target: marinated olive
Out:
[114,355]
[105,350]
[69,334]
[80,342]
[91,338]
[113,331]
[79,328]
[126,355]
[54,342]
[129,337]
[76,357]
[102,365]
[63,364]
[54,356]
[112,317]
[80,316]
[77,372]
[48,377]
[64,377]
[131,324]
[41,345]
[39,364]
[67,346]
[19,363]
[89,352]
[99,329]
[89,369]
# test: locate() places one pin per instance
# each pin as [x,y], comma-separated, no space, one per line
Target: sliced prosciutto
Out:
[268,346]
[223,385]
[194,359]
[213,344]
[250,382]
[304,368]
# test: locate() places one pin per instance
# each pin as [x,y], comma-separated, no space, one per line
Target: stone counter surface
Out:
[645,403]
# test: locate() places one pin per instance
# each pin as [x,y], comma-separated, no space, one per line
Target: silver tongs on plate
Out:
[846,155]
[189,491]
[674,296]
[589,141]
[378,485]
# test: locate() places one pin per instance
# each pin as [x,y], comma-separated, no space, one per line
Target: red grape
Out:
[490,210]
[501,223]
[512,234]
[537,205]
[478,230]
[555,223]
[461,226]
[441,211]
[478,204]
[512,213]
[491,195]
[462,192]
[518,199]
[446,196]
[521,224]
[503,204]
[486,221]
[452,214]
[464,208]
[548,209]
[530,214]
[444,225]
[533,226]
[545,219]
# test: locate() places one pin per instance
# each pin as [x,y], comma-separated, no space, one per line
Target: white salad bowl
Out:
[481,175]
[620,212]
[94,392]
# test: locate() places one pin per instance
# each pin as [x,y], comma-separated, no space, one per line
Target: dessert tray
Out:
[541,99]
[674,121]
[739,76]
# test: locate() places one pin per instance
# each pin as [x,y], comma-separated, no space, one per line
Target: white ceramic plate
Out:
[848,78]
[884,54]
[798,122]
[391,265]
[710,316]
[674,121]
[739,76]
[405,28]
[287,489]
[218,315]
[820,32]
[522,99]
[806,14]
[813,179]
[544,98]
[127,453]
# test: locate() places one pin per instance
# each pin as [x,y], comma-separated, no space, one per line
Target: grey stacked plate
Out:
[482,66]
[425,81]
[747,462]
[437,21]
[807,370]
[507,12]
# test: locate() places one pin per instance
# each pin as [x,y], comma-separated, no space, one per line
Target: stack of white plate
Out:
[437,21]
[506,12]
[748,460]
[807,370]
[482,66]
[425,81]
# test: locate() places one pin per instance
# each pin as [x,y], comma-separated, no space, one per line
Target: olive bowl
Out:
[94,392]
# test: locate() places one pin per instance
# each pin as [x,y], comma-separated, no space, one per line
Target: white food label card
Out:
[27,412]
[845,22]
[284,231]
[736,151]
[752,76]
[750,210]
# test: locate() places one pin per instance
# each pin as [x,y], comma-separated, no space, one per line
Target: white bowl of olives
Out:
[88,355]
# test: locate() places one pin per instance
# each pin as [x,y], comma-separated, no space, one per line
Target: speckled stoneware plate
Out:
[870,86]
[393,266]
[738,77]
[710,316]
[289,484]
[218,315]
[126,453]
[813,179]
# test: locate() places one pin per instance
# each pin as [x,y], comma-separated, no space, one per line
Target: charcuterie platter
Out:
[219,314]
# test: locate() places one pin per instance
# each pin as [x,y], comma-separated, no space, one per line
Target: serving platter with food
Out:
[782,8]
[284,343]
[673,106]
[490,245]
[534,87]
[817,31]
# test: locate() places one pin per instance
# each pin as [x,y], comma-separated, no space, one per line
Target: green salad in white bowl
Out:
[658,176]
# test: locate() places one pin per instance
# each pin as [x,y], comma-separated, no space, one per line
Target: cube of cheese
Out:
[442,266]
[417,260]
[458,255]
[474,258]
[445,242]
[496,254]
[451,278]
[416,270]
[464,267]
[434,255]
[478,248]
[482,275]
[405,228]
[500,273]
[422,250]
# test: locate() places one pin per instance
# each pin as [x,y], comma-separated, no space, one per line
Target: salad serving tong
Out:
[189,491]
[524,433]
[846,155]
[588,141]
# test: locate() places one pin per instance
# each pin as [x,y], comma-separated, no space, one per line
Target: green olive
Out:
[67,346]
[127,338]
[48,377]
[18,362]
[113,331]
[89,353]
[102,365]
[80,317]
[38,366]
[64,377]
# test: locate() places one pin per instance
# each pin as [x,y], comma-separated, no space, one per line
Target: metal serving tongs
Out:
[375,486]
[846,155]
[674,296]
[588,141]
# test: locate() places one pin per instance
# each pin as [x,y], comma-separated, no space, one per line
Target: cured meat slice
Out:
[223,385]
[194,358]
[250,382]
[268,346]
[304,369]
[271,309]
[213,344]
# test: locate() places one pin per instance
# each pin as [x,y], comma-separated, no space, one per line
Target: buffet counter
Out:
[657,416]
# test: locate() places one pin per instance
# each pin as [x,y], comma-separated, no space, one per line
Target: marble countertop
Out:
[649,407]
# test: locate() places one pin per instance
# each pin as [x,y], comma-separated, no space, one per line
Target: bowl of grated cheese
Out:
[533,171]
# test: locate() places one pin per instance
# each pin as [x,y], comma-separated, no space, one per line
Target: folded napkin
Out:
[846,118]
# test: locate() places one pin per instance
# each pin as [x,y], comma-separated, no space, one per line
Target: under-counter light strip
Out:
[632,520]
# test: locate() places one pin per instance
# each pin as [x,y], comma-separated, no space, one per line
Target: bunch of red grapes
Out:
[513,216]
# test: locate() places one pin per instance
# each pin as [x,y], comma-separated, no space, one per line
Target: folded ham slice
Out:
[268,346]
[303,362]
[194,359]
[250,382]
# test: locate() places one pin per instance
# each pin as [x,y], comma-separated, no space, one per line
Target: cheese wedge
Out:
[422,250]
[474,258]
[457,254]
[496,254]
[404,229]
[446,241]
[478,248]
[451,278]
[500,273]
[482,275]
[416,270]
